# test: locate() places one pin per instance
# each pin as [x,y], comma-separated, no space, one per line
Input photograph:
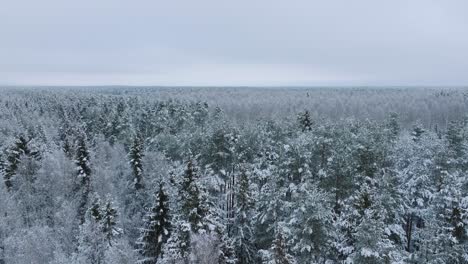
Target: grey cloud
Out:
[170,42]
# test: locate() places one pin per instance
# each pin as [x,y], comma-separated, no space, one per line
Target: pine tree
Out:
[227,254]
[309,223]
[193,207]
[95,210]
[393,126]
[20,148]
[84,180]
[67,148]
[417,172]
[136,156]
[91,241]
[243,233]
[109,222]
[192,218]
[363,226]
[305,121]
[455,139]
[201,114]
[177,248]
[448,226]
[280,250]
[418,131]
[156,231]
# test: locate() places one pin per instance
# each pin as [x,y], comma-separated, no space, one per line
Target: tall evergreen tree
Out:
[156,231]
[418,131]
[455,138]
[91,241]
[83,176]
[109,222]
[393,126]
[448,225]
[243,232]
[136,156]
[67,148]
[280,250]
[20,148]
[193,206]
[305,121]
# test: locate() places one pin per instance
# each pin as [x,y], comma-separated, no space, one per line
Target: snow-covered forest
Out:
[233,175]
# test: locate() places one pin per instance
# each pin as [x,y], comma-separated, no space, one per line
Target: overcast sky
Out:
[237,42]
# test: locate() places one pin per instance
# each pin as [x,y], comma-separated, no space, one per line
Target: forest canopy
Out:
[233,175]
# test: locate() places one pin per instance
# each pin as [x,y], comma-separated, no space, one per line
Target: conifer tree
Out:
[455,138]
[91,240]
[393,126]
[305,121]
[136,156]
[193,207]
[243,233]
[417,132]
[109,222]
[192,217]
[20,148]
[177,248]
[156,231]
[309,223]
[84,180]
[280,250]
[67,148]
[447,227]
[95,209]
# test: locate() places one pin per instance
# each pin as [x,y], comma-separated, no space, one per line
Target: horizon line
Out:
[229,86]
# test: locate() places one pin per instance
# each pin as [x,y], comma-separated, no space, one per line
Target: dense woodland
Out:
[154,175]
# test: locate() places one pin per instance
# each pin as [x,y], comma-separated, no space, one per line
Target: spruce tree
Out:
[280,250]
[67,148]
[156,231]
[305,121]
[309,223]
[109,222]
[95,209]
[83,176]
[191,219]
[91,241]
[20,148]
[417,132]
[455,139]
[136,156]
[193,206]
[243,233]
[449,221]
[393,126]
[177,248]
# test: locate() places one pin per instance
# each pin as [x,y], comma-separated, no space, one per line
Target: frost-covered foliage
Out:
[192,175]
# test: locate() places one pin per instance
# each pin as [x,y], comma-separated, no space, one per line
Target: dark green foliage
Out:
[136,156]
[459,231]
[393,126]
[109,224]
[243,231]
[95,210]
[418,131]
[193,207]
[305,121]
[157,229]
[20,148]
[280,250]
[83,186]
[455,138]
